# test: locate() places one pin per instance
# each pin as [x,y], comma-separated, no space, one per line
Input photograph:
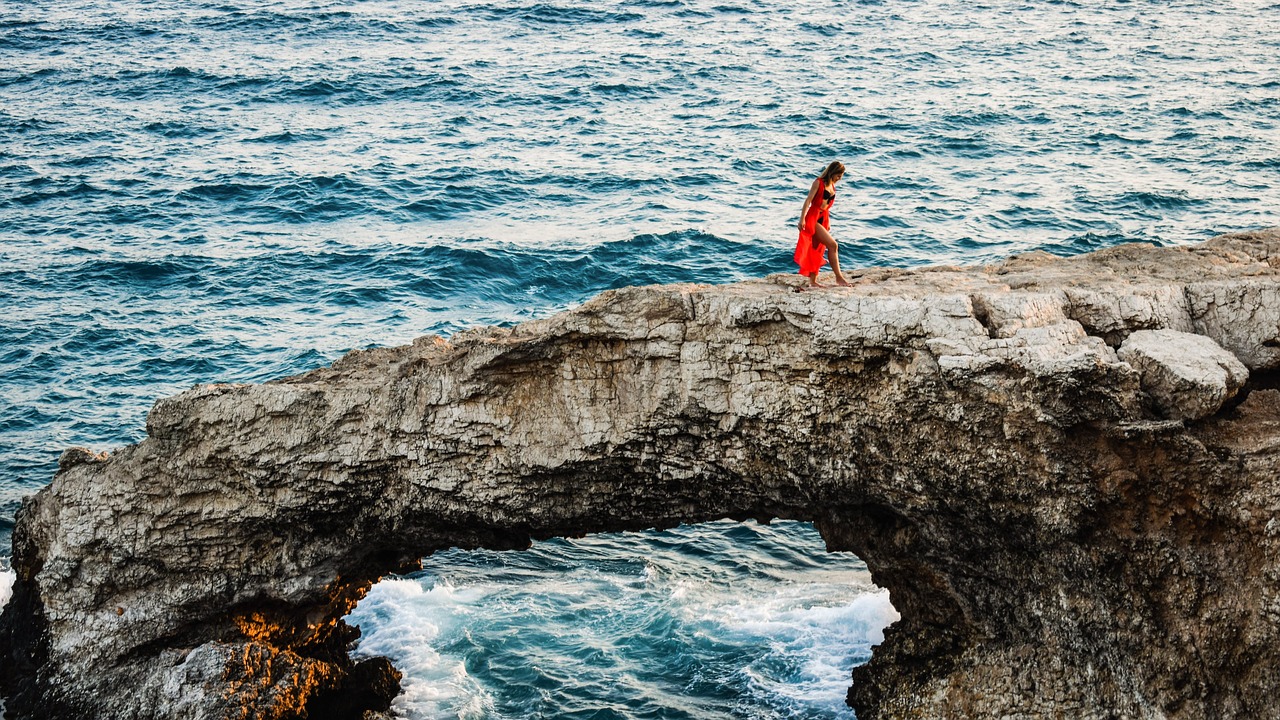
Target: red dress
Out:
[811,254]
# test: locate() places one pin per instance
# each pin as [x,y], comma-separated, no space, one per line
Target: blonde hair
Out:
[834,170]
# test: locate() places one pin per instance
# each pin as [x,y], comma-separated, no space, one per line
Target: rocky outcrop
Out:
[1064,470]
[1187,376]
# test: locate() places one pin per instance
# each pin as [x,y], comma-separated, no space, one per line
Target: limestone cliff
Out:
[1064,470]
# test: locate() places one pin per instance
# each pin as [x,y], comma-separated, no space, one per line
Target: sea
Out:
[200,191]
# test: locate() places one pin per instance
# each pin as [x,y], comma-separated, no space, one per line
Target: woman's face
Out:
[836,178]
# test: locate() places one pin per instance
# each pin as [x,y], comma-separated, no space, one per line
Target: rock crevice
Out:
[1064,471]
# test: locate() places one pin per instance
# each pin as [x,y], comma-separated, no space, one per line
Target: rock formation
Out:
[1064,471]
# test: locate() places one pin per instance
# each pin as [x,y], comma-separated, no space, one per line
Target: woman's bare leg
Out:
[833,252]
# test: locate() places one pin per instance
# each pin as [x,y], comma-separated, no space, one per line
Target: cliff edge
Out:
[1064,471]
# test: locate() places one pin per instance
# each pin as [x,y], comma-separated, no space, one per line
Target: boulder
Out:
[1188,376]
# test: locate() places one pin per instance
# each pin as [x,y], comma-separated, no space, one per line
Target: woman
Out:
[815,227]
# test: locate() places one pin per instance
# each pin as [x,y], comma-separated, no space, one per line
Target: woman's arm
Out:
[813,190]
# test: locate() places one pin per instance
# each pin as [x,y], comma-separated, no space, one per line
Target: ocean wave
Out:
[1264,163]
[53,190]
[1089,241]
[978,118]
[559,15]
[1151,200]
[1099,138]
[627,89]
[8,78]
[308,21]
[378,85]
[290,199]
[172,82]
[646,620]
[30,37]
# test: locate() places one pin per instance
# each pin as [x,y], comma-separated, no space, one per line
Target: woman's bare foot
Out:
[842,282]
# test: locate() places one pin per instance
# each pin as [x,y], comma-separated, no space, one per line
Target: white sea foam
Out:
[826,643]
[405,621]
[567,625]
[7,578]
[814,634]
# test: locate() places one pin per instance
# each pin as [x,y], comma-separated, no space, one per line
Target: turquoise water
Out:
[712,621]
[230,191]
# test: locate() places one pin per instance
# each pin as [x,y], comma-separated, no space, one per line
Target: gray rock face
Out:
[1188,376]
[1066,531]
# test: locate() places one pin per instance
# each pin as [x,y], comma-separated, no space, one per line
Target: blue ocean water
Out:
[714,621]
[231,191]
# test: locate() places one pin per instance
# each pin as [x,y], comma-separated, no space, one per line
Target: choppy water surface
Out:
[234,191]
[714,621]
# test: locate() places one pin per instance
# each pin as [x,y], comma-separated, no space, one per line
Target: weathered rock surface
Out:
[1064,533]
[1188,376]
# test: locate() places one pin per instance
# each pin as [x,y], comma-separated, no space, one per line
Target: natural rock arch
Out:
[1062,531]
